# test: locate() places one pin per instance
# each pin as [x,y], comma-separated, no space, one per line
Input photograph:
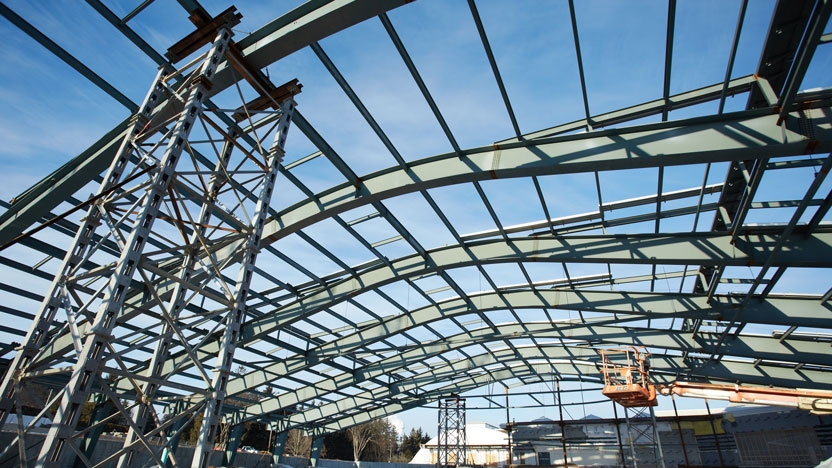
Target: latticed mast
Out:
[452,441]
[145,255]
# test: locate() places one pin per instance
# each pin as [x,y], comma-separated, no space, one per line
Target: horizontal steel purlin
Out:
[559,360]
[784,311]
[685,249]
[755,346]
[735,136]
[743,135]
[709,248]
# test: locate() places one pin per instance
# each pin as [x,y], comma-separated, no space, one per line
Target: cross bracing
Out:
[407,257]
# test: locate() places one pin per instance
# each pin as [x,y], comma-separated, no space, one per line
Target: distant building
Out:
[487,447]
[11,421]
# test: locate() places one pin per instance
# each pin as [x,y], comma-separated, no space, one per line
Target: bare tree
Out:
[298,444]
[360,436]
[222,438]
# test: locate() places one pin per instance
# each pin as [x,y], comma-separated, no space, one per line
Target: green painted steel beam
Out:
[682,249]
[542,372]
[289,33]
[786,311]
[742,135]
[685,249]
[647,109]
[568,361]
[35,204]
[579,334]
[757,135]
[558,360]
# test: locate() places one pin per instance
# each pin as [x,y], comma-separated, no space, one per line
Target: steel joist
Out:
[403,324]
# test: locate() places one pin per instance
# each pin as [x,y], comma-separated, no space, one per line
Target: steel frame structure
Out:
[642,435]
[398,326]
[452,443]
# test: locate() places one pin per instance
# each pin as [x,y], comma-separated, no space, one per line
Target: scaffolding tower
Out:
[627,382]
[452,441]
[185,175]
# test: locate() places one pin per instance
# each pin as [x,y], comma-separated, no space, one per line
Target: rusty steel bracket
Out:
[204,34]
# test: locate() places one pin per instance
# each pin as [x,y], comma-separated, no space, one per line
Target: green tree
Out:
[190,433]
[373,441]
[384,445]
[412,442]
[337,446]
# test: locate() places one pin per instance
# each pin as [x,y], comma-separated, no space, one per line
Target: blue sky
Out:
[49,113]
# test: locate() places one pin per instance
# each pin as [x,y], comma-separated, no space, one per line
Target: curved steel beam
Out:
[728,137]
[291,32]
[742,135]
[575,332]
[814,250]
[559,360]
[785,311]
[806,311]
[540,372]
[686,249]
[695,248]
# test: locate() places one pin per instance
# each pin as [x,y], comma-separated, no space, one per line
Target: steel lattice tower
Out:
[155,221]
[451,448]
[689,213]
[643,436]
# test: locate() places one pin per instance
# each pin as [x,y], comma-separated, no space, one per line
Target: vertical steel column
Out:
[279,445]
[315,450]
[630,440]
[233,444]
[562,426]
[75,256]
[440,433]
[618,435]
[713,429]
[657,442]
[175,306]
[97,342]
[508,432]
[679,425]
[235,315]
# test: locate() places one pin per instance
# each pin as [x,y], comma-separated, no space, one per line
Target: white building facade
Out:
[487,446]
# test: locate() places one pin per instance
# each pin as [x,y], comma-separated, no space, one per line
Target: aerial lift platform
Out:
[627,377]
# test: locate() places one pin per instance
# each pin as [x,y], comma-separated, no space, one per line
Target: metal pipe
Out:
[508,432]
[562,424]
[618,436]
[679,427]
[713,429]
